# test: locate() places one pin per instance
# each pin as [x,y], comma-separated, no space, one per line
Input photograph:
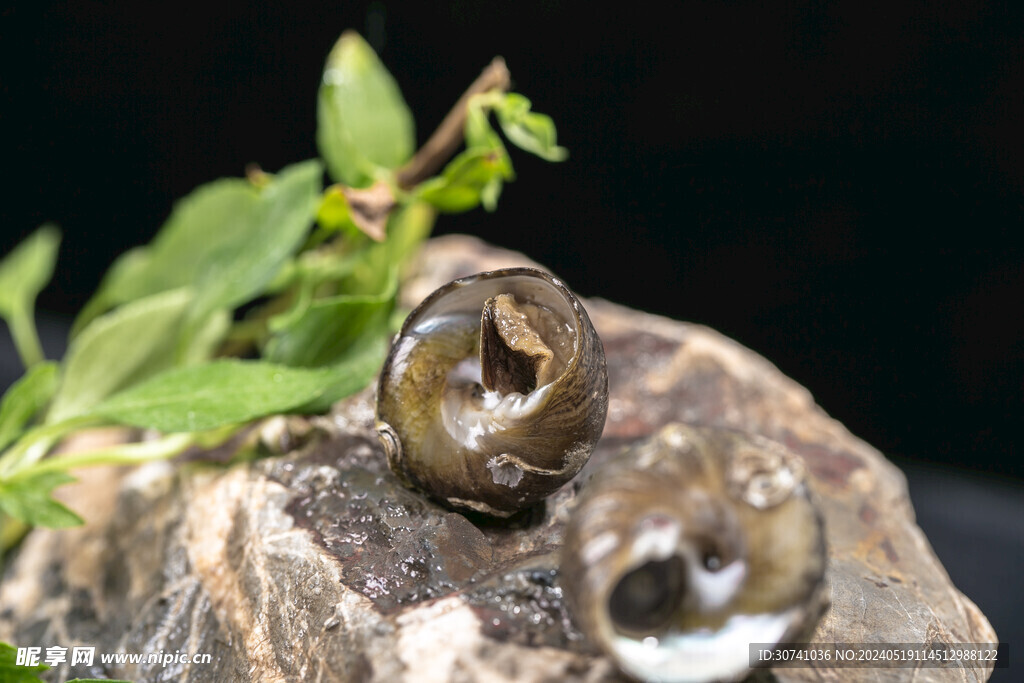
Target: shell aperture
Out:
[494,392]
[690,546]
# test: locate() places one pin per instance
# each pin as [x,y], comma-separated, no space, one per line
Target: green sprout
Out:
[259,295]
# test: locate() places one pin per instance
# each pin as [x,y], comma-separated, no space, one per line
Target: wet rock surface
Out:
[318,565]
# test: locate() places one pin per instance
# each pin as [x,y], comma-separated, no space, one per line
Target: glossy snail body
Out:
[494,393]
[687,548]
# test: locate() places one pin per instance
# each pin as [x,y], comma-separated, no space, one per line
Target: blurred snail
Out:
[494,393]
[690,546]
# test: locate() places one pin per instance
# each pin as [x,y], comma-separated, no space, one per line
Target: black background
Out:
[836,185]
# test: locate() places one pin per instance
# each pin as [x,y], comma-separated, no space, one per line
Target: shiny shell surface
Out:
[494,393]
[688,547]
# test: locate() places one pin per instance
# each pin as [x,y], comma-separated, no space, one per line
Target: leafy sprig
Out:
[259,295]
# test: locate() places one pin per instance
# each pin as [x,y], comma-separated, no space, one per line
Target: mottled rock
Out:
[318,565]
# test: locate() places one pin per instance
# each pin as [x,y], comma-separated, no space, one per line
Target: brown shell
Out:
[509,468]
[725,497]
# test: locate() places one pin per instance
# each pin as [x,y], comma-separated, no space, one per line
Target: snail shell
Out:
[494,393]
[690,546]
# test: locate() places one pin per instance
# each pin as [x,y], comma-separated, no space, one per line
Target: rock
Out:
[318,565]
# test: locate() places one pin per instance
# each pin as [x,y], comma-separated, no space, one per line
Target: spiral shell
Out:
[494,393]
[690,546]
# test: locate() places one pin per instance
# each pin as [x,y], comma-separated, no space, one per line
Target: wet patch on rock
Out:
[393,546]
[526,606]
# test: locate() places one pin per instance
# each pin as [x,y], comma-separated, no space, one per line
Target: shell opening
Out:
[523,345]
[644,600]
[522,348]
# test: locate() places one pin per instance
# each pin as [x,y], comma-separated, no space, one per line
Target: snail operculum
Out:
[494,392]
[690,546]
[522,345]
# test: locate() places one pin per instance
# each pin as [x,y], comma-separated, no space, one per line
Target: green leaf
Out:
[205,338]
[123,281]
[238,271]
[528,130]
[28,498]
[211,219]
[478,131]
[207,231]
[331,327]
[463,181]
[334,213]
[23,274]
[214,394]
[479,135]
[24,399]
[12,672]
[124,346]
[363,124]
[27,269]
[349,375]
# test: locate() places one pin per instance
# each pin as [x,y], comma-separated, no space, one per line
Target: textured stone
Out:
[317,564]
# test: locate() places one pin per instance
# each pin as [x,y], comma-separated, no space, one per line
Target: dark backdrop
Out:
[836,185]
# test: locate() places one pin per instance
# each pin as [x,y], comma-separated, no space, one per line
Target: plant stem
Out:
[122,454]
[36,442]
[446,139]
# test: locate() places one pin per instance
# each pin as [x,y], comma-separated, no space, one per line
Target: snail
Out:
[494,393]
[690,546]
